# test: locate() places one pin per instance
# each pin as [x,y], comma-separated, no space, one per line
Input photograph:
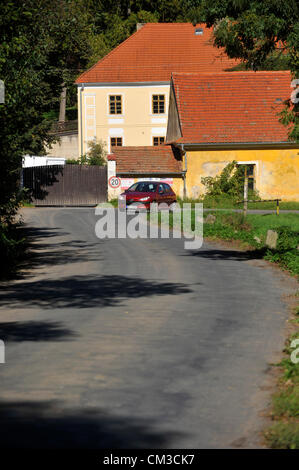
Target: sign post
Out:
[114,182]
[245,192]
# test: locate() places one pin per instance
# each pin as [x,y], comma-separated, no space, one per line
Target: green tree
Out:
[258,32]
[96,154]
[42,45]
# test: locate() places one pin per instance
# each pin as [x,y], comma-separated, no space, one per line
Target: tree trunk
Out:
[62,104]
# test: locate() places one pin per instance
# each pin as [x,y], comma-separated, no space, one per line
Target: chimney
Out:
[139,26]
[198,31]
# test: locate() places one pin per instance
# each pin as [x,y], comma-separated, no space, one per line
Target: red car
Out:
[143,193]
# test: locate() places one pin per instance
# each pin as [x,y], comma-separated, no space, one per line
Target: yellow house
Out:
[124,98]
[217,118]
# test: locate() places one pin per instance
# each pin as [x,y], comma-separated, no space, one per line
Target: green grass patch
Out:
[252,231]
[226,202]
[114,202]
[283,436]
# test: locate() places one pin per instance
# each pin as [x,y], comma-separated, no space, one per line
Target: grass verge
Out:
[284,432]
[251,233]
[223,202]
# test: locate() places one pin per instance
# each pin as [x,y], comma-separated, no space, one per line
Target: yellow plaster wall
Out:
[277,171]
[178,186]
[137,125]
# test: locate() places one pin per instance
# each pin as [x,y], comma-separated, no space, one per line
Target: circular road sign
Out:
[114,182]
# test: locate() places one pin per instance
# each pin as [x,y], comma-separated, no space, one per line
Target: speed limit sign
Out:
[114,182]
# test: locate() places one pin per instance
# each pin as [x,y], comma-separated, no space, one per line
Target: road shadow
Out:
[18,331]
[39,253]
[33,233]
[222,254]
[50,425]
[85,291]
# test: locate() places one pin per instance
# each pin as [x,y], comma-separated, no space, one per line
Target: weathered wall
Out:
[173,126]
[137,125]
[277,170]
[175,183]
[67,147]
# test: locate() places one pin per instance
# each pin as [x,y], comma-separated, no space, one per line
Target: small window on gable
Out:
[158,104]
[115,104]
[158,140]
[116,142]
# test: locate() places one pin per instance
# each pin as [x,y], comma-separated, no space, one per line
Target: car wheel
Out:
[174,206]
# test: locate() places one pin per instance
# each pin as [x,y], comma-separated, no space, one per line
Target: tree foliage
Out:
[42,45]
[96,154]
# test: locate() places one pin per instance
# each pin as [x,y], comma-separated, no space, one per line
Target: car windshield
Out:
[143,187]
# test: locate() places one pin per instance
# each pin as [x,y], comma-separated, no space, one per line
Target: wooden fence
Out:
[66,185]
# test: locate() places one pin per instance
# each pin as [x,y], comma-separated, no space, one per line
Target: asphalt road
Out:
[135,343]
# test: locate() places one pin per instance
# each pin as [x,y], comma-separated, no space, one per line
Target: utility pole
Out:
[245,192]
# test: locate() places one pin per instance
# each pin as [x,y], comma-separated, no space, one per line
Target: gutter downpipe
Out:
[184,171]
[81,123]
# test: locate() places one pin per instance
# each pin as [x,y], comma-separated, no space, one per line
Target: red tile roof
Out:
[232,106]
[146,160]
[156,50]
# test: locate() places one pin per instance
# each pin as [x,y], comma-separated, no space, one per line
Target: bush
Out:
[229,183]
[96,155]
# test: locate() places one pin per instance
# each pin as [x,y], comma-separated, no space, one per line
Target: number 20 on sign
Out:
[114,182]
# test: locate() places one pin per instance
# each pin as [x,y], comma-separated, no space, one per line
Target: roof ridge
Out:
[129,62]
[152,147]
[127,39]
[172,23]
[234,72]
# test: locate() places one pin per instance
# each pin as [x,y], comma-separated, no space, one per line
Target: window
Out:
[116,141]
[158,140]
[143,187]
[250,175]
[158,104]
[167,188]
[115,104]
[161,189]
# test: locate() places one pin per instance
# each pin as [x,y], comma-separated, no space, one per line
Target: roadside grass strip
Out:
[284,432]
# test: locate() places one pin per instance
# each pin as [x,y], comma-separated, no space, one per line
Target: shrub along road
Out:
[136,343]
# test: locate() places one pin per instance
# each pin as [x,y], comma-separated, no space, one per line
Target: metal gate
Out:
[66,185]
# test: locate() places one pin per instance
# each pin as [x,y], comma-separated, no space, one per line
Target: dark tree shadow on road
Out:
[85,291]
[35,331]
[39,253]
[42,232]
[233,255]
[50,425]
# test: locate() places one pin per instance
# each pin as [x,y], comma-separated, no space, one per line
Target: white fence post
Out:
[2,352]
